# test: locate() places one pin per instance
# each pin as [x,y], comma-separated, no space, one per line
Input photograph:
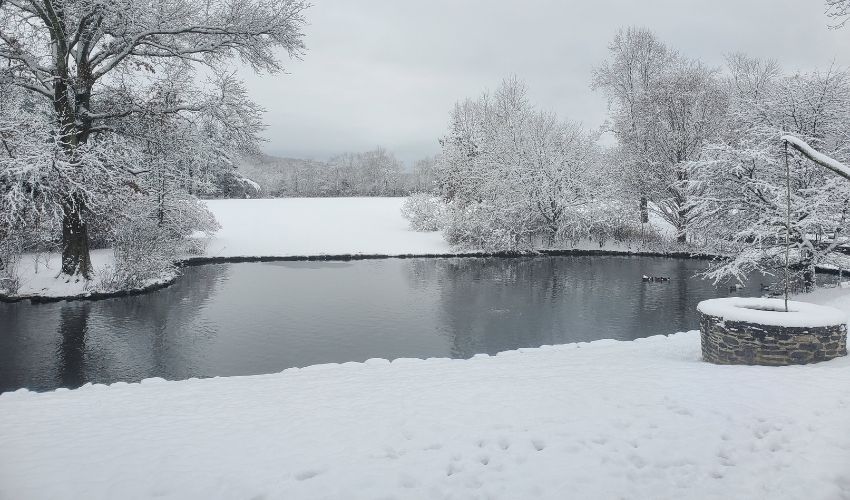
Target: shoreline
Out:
[207,260]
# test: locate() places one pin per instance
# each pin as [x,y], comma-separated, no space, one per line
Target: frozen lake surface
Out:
[254,318]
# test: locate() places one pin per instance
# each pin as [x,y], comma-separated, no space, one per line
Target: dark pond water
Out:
[241,319]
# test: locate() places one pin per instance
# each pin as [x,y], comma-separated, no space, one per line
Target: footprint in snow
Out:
[453,469]
[307,474]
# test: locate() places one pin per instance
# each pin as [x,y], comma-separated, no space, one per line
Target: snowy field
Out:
[644,419]
[317,226]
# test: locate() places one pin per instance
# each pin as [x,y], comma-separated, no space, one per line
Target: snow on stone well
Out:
[759,331]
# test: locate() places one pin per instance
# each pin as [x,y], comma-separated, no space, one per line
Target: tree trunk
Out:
[808,278]
[75,240]
[644,210]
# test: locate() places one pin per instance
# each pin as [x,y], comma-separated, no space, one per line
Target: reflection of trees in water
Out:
[423,274]
[15,365]
[139,336]
[494,304]
[71,353]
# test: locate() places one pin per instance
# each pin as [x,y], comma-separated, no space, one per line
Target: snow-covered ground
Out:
[643,419]
[317,226]
[39,274]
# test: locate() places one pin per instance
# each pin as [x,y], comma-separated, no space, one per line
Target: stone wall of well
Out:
[742,343]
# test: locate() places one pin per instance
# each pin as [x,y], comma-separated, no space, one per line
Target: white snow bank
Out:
[772,312]
[317,226]
[642,419]
[40,274]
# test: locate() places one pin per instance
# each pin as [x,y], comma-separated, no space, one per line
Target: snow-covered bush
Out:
[151,238]
[139,261]
[424,211]
[612,220]
[489,227]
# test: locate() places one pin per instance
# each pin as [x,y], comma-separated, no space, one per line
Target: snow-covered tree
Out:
[378,172]
[513,175]
[638,60]
[96,65]
[664,107]
[422,178]
[740,205]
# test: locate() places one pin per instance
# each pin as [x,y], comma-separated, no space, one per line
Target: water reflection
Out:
[491,305]
[68,344]
[71,353]
[240,319]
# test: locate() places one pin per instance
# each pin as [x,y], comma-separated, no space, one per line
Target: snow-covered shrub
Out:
[489,227]
[182,217]
[424,211]
[615,221]
[152,237]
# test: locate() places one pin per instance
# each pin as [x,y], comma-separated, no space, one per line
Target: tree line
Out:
[370,173]
[698,149]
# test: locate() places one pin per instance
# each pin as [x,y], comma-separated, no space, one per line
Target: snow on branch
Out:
[817,157]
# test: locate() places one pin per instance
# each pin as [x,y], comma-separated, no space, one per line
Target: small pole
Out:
[787,219]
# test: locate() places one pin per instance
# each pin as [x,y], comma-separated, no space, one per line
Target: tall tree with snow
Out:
[664,108]
[96,63]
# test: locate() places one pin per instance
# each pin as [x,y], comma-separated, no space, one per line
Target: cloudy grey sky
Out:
[386,72]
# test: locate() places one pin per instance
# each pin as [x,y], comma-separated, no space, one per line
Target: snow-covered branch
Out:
[817,157]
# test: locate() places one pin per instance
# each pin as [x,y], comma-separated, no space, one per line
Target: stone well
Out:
[756,331]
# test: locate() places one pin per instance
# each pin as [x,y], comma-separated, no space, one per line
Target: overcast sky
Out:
[387,72]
